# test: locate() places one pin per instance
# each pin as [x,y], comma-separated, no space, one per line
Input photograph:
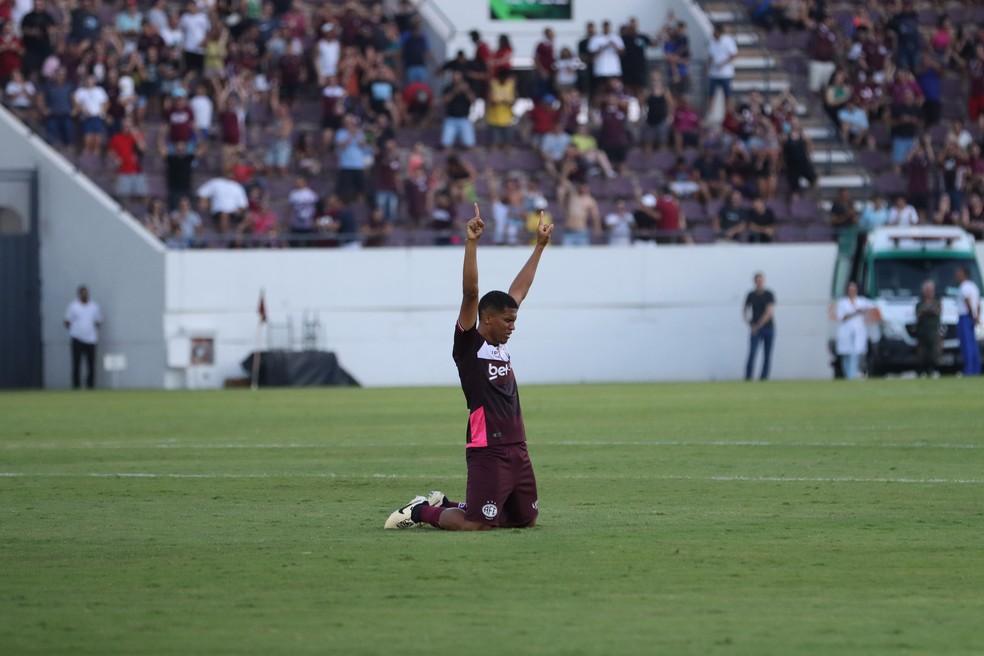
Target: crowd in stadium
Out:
[282,122]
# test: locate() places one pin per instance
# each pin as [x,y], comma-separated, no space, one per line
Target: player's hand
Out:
[476,226]
[543,231]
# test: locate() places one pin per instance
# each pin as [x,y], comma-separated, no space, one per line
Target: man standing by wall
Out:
[970,313]
[723,50]
[758,311]
[83,318]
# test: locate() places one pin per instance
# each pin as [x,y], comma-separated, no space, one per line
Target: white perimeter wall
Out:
[466,15]
[596,314]
[85,238]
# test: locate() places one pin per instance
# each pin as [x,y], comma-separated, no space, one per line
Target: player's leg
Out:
[523,506]
[485,494]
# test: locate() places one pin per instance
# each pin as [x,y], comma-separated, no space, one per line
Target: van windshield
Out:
[903,277]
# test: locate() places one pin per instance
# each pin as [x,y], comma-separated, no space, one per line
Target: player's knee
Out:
[475,526]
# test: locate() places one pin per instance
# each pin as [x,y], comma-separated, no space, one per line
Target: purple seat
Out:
[525,160]
[789,232]
[693,210]
[819,232]
[889,184]
[874,160]
[805,209]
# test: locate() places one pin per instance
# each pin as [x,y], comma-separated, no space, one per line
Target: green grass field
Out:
[780,518]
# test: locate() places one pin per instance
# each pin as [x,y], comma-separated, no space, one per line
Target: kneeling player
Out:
[501,490]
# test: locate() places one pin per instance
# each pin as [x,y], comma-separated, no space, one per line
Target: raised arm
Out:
[520,287]
[468,314]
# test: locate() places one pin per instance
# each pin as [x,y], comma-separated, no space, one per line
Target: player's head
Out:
[83,293]
[961,274]
[497,316]
[759,280]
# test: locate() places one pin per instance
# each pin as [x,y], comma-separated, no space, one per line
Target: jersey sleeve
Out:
[463,340]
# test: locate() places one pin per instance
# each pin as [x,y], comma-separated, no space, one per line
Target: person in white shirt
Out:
[328,52]
[91,104]
[202,109]
[83,319]
[619,225]
[606,49]
[970,315]
[902,213]
[852,330]
[225,200]
[194,28]
[722,51]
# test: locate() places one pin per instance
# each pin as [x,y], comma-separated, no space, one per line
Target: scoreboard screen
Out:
[530,9]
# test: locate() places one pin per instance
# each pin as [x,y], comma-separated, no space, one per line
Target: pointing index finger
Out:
[478,214]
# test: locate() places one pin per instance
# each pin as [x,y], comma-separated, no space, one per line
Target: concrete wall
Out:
[451,20]
[598,314]
[85,238]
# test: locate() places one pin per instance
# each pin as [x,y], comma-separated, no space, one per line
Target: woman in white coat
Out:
[852,331]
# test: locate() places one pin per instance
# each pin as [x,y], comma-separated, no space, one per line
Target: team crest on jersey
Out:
[490,510]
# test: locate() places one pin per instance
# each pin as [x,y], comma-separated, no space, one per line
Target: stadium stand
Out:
[272,124]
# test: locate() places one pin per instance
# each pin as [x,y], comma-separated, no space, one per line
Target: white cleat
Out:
[435,498]
[400,518]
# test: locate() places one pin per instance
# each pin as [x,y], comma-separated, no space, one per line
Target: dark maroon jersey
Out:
[487,379]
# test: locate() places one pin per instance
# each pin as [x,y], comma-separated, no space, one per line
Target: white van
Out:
[890,266]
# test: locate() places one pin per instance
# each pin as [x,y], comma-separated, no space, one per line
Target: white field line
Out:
[333,475]
[562,443]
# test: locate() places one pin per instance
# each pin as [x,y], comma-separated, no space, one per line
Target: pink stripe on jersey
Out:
[476,429]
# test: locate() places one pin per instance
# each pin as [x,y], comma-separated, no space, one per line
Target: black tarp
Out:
[299,369]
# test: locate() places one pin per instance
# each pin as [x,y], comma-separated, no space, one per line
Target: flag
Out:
[262,309]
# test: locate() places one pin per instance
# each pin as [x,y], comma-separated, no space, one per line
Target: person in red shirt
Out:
[544,61]
[11,50]
[672,222]
[126,147]
[502,59]
[180,120]
[975,96]
[544,117]
[483,52]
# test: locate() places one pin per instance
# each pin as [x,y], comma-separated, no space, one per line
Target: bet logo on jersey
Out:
[495,372]
[490,510]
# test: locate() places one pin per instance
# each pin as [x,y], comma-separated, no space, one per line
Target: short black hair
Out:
[496,301]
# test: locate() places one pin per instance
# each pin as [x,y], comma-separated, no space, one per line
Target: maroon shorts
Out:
[501,487]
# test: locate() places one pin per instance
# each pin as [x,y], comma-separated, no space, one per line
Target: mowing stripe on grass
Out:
[562,443]
[592,477]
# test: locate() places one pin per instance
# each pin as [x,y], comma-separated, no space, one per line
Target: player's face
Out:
[500,325]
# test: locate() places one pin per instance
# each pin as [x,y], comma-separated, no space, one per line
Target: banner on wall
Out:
[530,9]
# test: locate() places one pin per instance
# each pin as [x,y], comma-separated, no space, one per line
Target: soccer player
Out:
[501,487]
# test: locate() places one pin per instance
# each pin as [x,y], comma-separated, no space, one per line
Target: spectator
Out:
[905,25]
[36,29]
[377,229]
[502,59]
[569,67]
[722,51]
[460,176]
[20,95]
[128,23]
[332,109]
[672,220]
[659,112]
[387,181]
[56,109]
[759,311]
[352,149]
[553,146]
[614,133]
[179,164]
[606,49]
[224,200]
[844,217]
[11,50]
[731,221]
[645,217]
[973,216]
[261,222]
[499,114]
[822,51]
[544,65]
[619,223]
[686,125]
[327,53]
[975,87]
[852,332]
[676,52]
[457,126]
[854,124]
[874,215]
[918,171]
[839,96]
[969,316]
[180,119]
[279,151]
[585,80]
[587,150]
[537,214]
[928,346]
[583,218]
[91,103]
[195,27]
[232,129]
[945,214]
[83,319]
[157,221]
[635,66]
[930,81]
[902,213]
[188,223]
[416,53]
[202,109]
[303,203]
[906,124]
[544,116]
[443,219]
[761,222]
[797,153]
[127,148]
